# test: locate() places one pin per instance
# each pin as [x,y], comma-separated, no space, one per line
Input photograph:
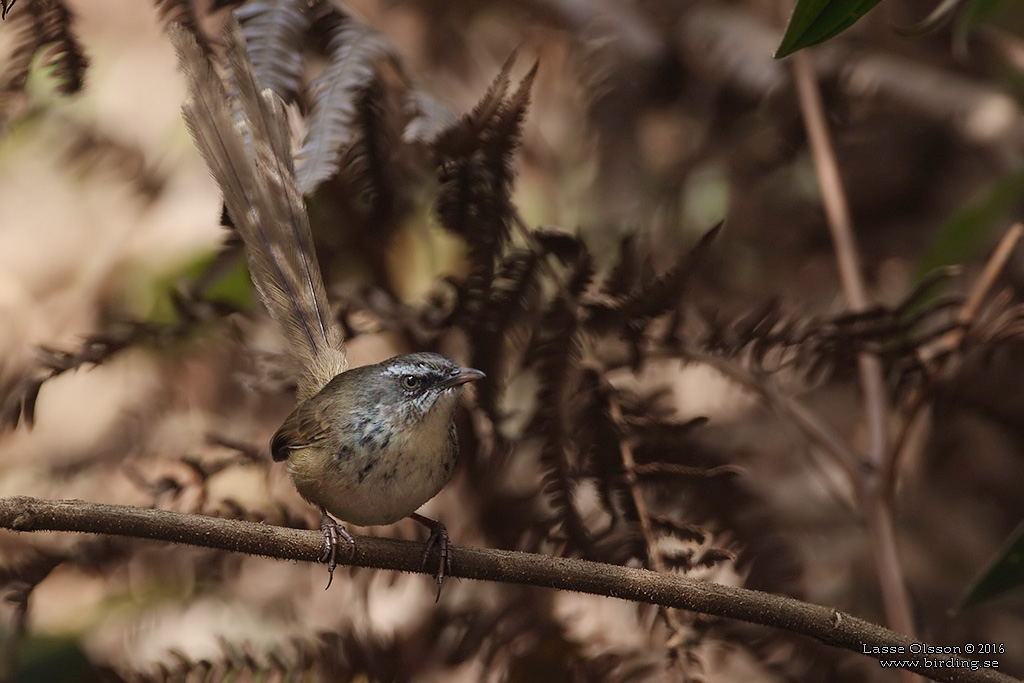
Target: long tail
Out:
[247,149]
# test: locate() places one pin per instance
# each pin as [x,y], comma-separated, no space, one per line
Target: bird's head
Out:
[417,384]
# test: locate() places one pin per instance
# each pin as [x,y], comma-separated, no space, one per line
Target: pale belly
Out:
[374,489]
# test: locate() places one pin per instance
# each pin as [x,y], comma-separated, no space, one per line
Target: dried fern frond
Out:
[354,51]
[627,271]
[514,292]
[367,164]
[428,116]
[649,299]
[599,439]
[555,355]
[681,530]
[275,33]
[184,12]
[47,24]
[474,161]
[89,148]
[692,558]
[474,167]
[508,309]
[18,396]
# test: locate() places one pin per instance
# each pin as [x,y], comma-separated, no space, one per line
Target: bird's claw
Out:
[332,532]
[438,538]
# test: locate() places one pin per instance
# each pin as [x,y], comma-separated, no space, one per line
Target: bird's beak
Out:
[465,375]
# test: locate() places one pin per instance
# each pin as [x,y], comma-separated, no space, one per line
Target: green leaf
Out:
[230,286]
[234,287]
[970,229]
[54,660]
[1003,573]
[815,21]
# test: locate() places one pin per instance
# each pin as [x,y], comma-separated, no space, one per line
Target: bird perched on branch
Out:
[368,445]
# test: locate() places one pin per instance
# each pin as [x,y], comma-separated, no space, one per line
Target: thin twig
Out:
[654,559]
[840,225]
[874,502]
[829,626]
[833,198]
[983,286]
[629,466]
[943,347]
[686,471]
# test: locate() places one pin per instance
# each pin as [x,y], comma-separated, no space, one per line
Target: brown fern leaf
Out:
[428,116]
[581,274]
[681,530]
[563,246]
[474,161]
[90,148]
[18,398]
[474,167]
[509,308]
[600,438]
[679,559]
[491,102]
[184,12]
[65,54]
[626,272]
[653,429]
[694,559]
[555,357]
[604,437]
[18,405]
[817,346]
[275,31]
[712,556]
[354,51]
[367,165]
[508,121]
[649,299]
[47,24]
[514,292]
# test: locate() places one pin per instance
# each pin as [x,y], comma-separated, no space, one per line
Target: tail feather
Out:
[249,155]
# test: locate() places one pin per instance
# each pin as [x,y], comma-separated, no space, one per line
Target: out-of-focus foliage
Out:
[815,21]
[44,26]
[973,15]
[974,225]
[548,224]
[1004,573]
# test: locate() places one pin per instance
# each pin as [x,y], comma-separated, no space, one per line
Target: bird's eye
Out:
[410,382]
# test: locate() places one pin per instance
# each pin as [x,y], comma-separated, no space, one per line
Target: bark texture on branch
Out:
[830,626]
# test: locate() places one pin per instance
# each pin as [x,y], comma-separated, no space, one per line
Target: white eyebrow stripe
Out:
[405,369]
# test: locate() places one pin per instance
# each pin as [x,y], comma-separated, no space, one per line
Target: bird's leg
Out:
[332,531]
[438,537]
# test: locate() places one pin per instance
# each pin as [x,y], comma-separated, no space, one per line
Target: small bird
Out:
[368,445]
[376,443]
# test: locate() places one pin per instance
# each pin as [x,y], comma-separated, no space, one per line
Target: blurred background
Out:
[131,343]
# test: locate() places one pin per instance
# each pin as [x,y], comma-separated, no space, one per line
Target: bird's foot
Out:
[333,532]
[438,538]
